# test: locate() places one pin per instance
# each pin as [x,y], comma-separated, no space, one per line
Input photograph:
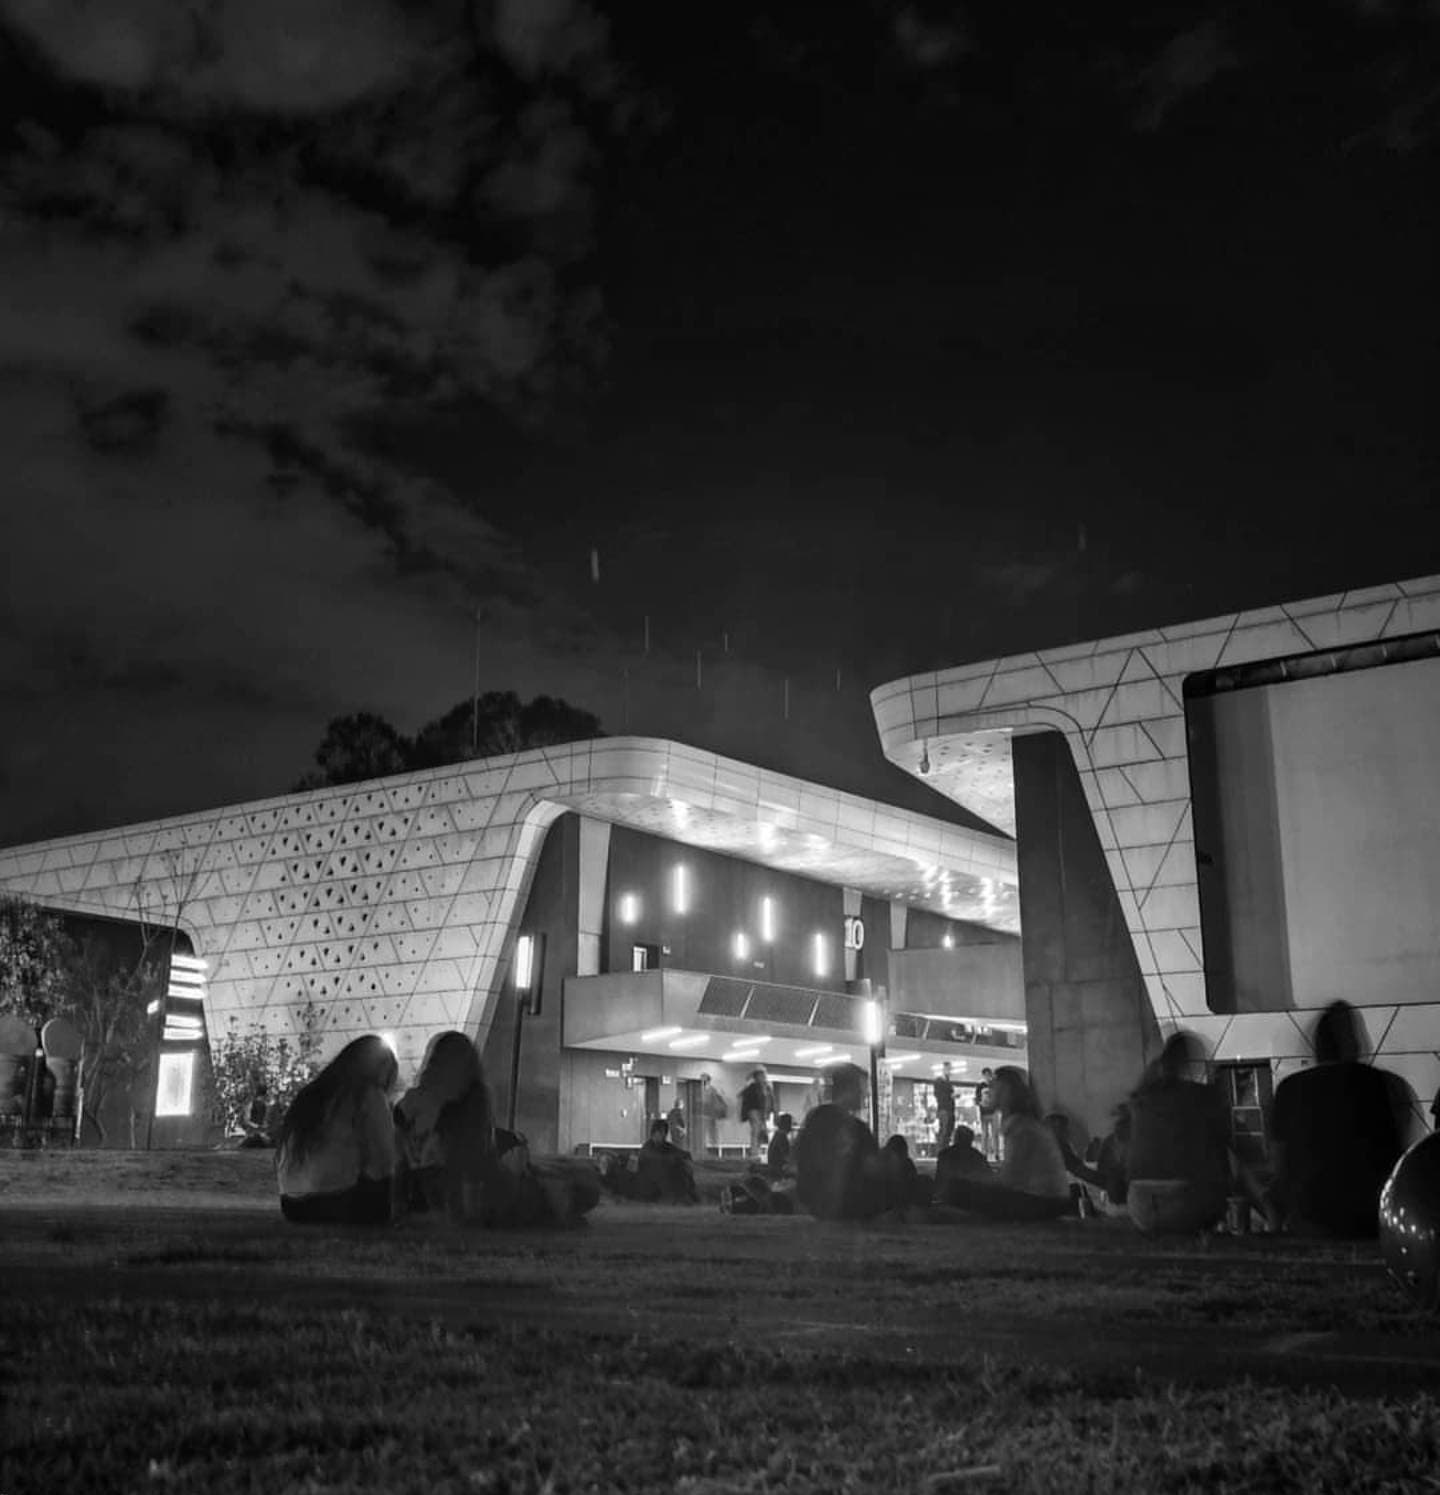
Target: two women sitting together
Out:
[345,1155]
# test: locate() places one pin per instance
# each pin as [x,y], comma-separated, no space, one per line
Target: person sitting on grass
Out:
[1181,1170]
[336,1158]
[1082,1172]
[900,1179]
[1336,1133]
[1031,1183]
[1112,1157]
[838,1173]
[663,1174]
[962,1159]
[462,1163]
[520,1192]
[777,1155]
[446,1128]
[254,1124]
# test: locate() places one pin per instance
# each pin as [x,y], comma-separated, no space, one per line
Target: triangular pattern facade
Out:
[1119,703]
[391,905]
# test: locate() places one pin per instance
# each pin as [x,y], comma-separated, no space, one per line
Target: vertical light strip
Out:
[767,919]
[524,962]
[822,956]
[680,889]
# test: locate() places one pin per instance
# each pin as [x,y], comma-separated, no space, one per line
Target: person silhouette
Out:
[1336,1132]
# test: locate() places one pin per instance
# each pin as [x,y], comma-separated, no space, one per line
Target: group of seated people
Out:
[840,1172]
[1337,1131]
[344,1154]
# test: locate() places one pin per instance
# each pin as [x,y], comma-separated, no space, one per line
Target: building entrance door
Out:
[694,1119]
[652,1105]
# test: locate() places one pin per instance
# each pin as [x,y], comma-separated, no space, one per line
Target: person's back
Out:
[664,1174]
[778,1153]
[1179,1168]
[1338,1139]
[1032,1162]
[1178,1131]
[446,1125]
[337,1153]
[837,1166]
[961,1160]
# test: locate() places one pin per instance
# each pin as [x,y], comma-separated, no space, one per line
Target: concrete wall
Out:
[969,981]
[551,912]
[1091,1026]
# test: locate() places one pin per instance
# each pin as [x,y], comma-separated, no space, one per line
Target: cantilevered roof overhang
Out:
[392,903]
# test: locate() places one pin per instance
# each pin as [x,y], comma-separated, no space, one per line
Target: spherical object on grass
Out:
[1410,1222]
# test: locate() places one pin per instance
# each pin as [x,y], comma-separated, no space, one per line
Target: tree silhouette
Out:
[356,747]
[366,746]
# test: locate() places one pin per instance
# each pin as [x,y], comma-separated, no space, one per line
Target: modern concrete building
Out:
[1221,826]
[610,921]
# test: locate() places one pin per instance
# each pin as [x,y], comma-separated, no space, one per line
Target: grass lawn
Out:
[164,1330]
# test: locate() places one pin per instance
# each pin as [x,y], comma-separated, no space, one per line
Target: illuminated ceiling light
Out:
[767,919]
[736,1056]
[812,1050]
[753,1043]
[629,908]
[822,956]
[653,1035]
[833,1059]
[895,1060]
[695,1041]
[741,945]
[680,890]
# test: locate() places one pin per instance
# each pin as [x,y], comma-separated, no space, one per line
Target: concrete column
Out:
[594,859]
[1091,1025]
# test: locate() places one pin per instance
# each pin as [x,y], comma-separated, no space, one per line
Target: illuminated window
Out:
[822,956]
[767,919]
[741,945]
[629,908]
[680,890]
[175,1084]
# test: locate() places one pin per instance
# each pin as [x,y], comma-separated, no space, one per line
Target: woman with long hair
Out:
[335,1158]
[1032,1183]
[446,1126]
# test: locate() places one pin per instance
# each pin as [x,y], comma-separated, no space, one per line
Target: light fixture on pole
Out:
[525,969]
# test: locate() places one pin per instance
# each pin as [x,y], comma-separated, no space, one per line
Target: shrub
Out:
[240,1060]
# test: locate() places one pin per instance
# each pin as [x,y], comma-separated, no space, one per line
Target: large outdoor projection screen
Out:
[1317,831]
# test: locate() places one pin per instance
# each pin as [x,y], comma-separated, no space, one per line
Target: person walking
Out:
[989,1116]
[944,1092]
[757,1103]
[713,1110]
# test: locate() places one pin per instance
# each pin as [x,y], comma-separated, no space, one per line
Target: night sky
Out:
[860,343]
